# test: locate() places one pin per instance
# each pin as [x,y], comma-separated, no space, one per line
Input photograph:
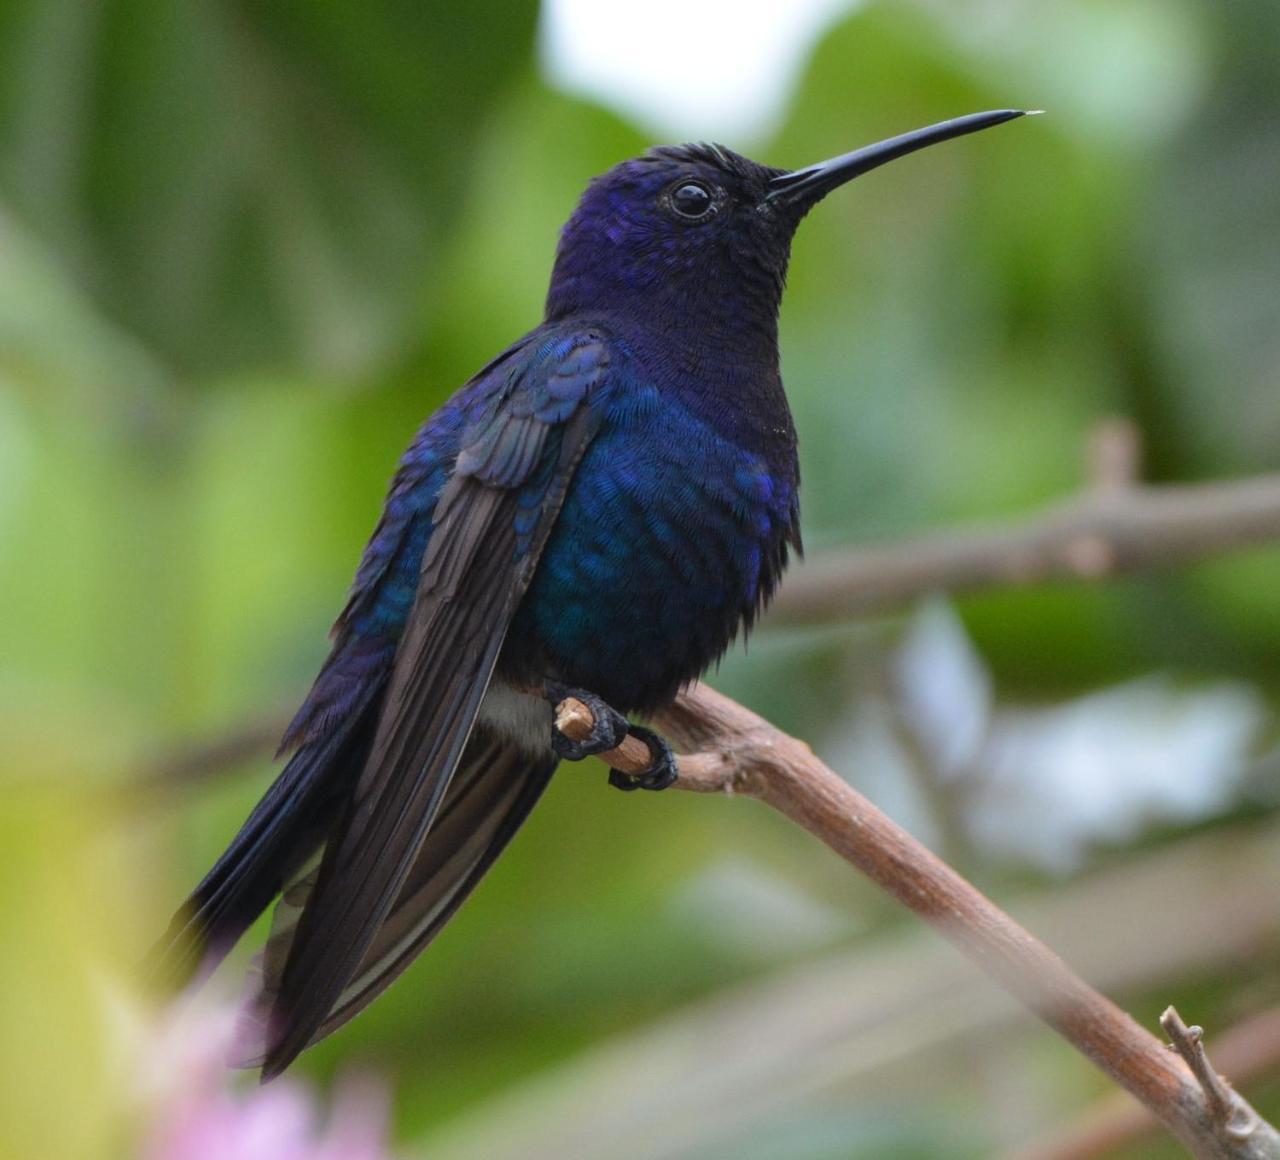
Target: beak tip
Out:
[804,187]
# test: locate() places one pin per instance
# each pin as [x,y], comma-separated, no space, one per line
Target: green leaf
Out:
[241,183]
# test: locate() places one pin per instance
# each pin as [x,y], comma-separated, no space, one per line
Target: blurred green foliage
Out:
[245,249]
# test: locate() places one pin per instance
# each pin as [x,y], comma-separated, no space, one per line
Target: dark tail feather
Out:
[491,794]
[285,828]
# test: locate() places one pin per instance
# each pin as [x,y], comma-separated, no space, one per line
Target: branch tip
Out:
[1227,1111]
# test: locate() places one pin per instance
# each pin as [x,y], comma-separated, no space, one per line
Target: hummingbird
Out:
[598,512]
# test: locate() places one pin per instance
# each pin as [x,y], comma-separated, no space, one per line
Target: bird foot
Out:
[608,731]
[662,765]
[608,727]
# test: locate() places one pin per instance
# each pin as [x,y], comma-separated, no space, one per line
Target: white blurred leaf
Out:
[943,688]
[1100,768]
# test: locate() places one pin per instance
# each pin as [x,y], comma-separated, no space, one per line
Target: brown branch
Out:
[1112,529]
[1113,456]
[1245,1051]
[194,763]
[736,751]
[869,1015]
[1115,527]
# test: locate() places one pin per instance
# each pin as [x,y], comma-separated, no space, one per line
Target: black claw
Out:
[622,781]
[607,733]
[662,769]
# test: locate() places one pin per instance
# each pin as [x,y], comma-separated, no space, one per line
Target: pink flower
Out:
[196,1113]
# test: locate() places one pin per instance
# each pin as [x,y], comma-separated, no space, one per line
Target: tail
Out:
[285,828]
[490,795]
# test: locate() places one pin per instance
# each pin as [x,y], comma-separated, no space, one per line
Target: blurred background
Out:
[246,248]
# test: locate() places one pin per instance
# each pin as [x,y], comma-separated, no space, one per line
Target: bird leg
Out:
[607,731]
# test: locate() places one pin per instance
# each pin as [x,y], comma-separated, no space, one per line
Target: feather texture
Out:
[491,794]
[515,459]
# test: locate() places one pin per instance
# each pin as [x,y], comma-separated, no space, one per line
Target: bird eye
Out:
[692,200]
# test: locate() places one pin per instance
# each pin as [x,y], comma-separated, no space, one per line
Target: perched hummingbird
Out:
[597,513]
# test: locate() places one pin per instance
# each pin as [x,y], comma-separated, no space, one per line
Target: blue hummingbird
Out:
[598,512]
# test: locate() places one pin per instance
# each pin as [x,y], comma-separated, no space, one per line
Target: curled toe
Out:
[662,770]
[607,731]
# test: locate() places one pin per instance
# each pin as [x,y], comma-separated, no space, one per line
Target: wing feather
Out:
[489,797]
[477,565]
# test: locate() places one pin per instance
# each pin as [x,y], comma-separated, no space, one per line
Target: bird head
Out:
[697,237]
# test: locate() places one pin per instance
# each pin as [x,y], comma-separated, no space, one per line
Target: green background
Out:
[246,248]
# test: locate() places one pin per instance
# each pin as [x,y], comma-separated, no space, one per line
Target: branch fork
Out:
[1229,1114]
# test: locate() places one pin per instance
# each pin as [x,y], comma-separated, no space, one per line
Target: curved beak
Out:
[803,187]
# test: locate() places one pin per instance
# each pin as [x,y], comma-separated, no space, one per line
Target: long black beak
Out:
[803,187]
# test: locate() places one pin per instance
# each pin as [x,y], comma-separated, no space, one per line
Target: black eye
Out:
[692,200]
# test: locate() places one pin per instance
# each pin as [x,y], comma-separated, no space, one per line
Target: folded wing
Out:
[491,522]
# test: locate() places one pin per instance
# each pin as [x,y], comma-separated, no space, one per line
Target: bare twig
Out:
[736,751]
[1112,529]
[1233,1119]
[1245,1051]
[1113,456]
[194,763]
[1117,526]
[871,1015]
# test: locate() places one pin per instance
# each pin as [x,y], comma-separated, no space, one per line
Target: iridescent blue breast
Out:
[670,539]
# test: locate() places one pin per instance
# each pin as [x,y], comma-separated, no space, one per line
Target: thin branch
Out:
[1115,527]
[868,1016]
[735,751]
[1113,456]
[1247,1050]
[1109,530]
[192,764]
[1232,1117]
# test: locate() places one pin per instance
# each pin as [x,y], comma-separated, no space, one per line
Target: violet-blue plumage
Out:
[602,508]
[671,538]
